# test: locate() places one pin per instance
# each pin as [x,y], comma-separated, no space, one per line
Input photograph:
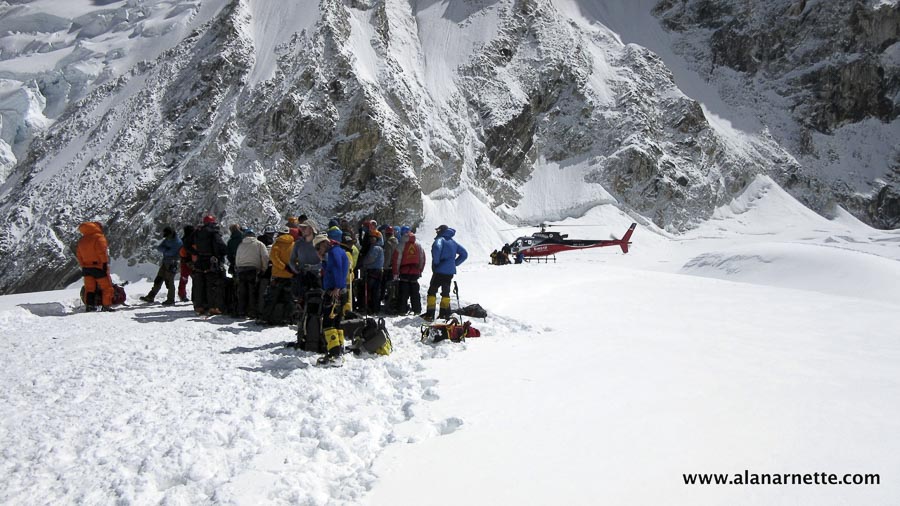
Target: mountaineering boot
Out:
[330,361]
[445,308]
[90,309]
[334,342]
[169,302]
[107,309]
[428,315]
[151,295]
[184,299]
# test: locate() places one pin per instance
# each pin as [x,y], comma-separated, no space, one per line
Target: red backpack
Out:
[451,329]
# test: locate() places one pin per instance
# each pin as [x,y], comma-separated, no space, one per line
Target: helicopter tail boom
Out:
[626,240]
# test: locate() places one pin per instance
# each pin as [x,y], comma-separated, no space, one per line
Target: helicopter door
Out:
[517,245]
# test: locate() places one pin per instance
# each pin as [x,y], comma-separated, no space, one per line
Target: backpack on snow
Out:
[449,329]
[309,331]
[370,335]
[278,305]
[473,311]
[96,298]
[392,295]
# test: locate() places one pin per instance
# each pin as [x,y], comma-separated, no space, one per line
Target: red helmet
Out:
[209,219]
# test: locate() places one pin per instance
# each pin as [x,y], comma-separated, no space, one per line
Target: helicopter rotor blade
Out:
[546,225]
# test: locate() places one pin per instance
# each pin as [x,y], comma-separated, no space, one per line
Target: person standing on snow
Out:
[278,294]
[93,257]
[390,247]
[234,240]
[352,251]
[373,269]
[251,261]
[304,262]
[170,248]
[446,256]
[209,268]
[336,267]
[409,262]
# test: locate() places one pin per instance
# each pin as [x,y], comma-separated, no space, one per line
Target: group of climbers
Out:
[373,269]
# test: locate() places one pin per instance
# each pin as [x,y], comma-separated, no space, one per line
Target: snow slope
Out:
[57,52]
[273,24]
[600,378]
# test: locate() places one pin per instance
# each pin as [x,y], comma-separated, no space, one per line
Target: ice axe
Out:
[458,305]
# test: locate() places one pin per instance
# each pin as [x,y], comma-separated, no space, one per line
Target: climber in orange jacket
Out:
[93,257]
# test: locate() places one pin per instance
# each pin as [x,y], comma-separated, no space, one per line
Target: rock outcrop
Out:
[822,75]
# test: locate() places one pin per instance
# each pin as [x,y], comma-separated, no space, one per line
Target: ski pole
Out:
[366,295]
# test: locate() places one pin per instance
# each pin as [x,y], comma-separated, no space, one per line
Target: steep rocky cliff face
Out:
[824,76]
[255,109]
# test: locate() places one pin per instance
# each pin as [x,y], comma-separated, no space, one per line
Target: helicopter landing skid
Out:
[544,259]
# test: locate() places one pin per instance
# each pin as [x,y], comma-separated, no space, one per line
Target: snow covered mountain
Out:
[145,113]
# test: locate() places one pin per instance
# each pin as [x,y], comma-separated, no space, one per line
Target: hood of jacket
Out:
[212,227]
[448,234]
[335,234]
[90,228]
[285,239]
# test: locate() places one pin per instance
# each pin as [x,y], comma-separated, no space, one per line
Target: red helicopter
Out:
[543,243]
